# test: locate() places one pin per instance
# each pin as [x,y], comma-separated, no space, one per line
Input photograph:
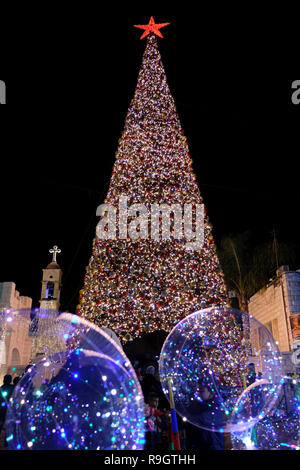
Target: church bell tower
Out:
[51,283]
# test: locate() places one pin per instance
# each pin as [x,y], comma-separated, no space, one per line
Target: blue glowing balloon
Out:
[280,429]
[223,367]
[80,393]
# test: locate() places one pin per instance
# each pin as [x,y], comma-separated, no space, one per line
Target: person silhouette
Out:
[209,418]
[5,394]
[16,380]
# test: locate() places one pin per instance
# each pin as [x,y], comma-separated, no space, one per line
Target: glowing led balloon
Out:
[280,430]
[224,367]
[83,395]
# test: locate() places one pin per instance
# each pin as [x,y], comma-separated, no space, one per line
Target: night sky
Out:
[69,89]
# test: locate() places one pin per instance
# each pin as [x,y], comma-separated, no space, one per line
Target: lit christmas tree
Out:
[136,285]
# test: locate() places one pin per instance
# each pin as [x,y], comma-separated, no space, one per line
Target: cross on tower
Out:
[54,251]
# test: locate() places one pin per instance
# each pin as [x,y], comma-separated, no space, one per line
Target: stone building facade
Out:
[21,337]
[277,307]
[15,343]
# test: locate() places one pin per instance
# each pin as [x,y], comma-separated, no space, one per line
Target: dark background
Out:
[70,79]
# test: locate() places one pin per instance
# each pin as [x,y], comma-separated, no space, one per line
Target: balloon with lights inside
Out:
[280,429]
[209,360]
[80,391]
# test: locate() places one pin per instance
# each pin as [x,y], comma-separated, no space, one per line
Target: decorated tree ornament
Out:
[149,282]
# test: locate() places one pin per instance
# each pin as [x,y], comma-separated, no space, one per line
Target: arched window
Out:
[15,357]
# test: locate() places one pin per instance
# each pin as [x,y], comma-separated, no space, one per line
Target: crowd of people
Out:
[157,414]
[6,391]
[156,409]
[158,419]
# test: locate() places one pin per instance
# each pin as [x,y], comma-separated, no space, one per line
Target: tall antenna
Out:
[275,247]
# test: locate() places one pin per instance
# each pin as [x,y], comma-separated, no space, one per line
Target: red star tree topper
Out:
[151,27]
